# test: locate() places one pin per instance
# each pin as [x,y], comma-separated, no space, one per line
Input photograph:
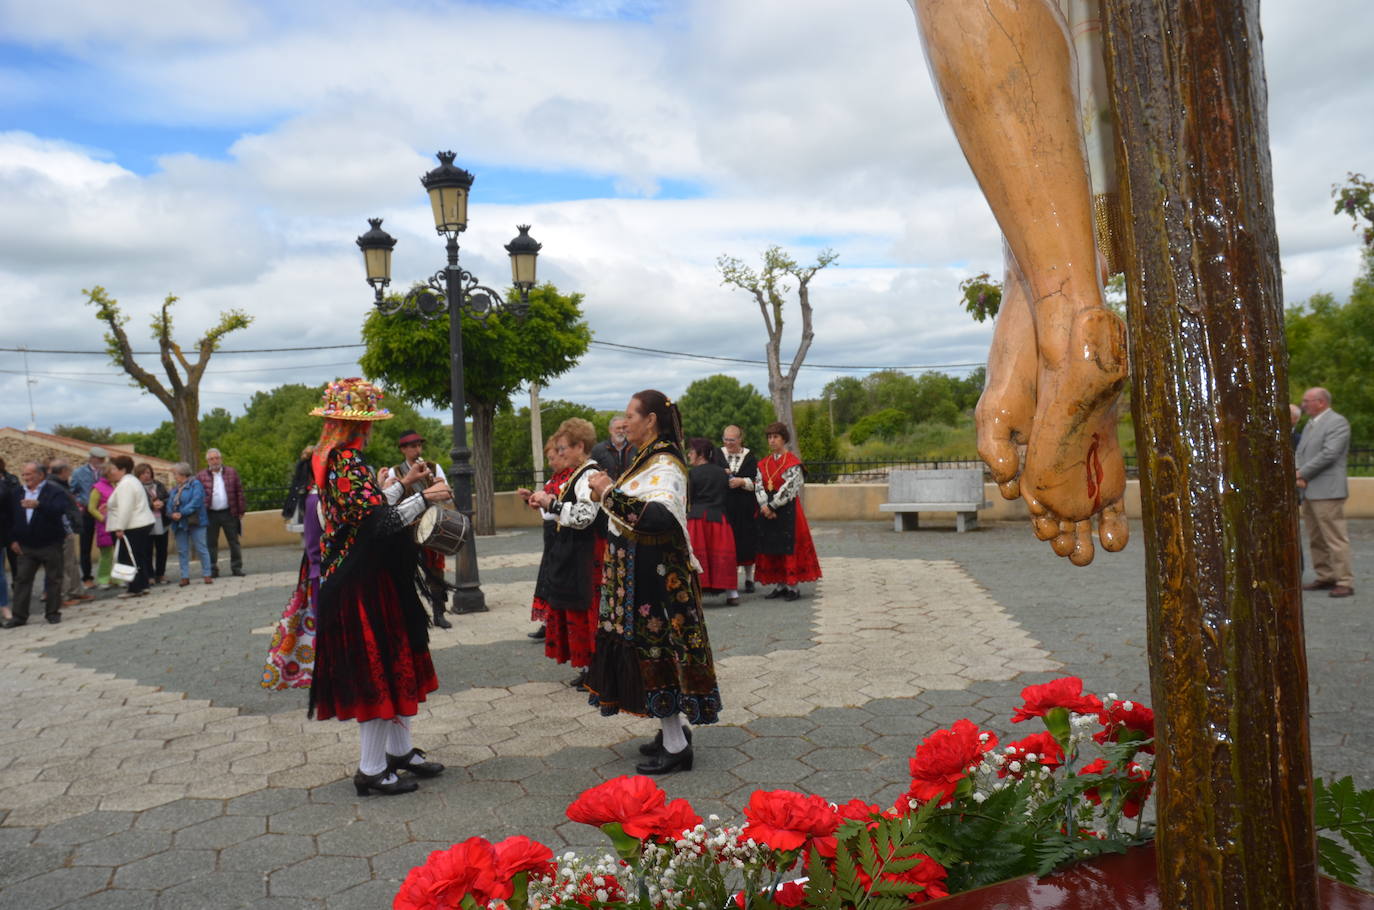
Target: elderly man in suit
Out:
[37,531]
[1321,476]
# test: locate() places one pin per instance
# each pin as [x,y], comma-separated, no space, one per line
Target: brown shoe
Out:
[1318,585]
[209,580]
[1341,591]
[184,582]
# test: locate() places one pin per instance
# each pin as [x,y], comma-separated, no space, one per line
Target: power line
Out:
[317,347]
[628,348]
[809,366]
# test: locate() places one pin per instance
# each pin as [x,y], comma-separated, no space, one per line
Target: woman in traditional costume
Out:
[539,607]
[372,659]
[653,656]
[786,555]
[573,555]
[713,540]
[291,656]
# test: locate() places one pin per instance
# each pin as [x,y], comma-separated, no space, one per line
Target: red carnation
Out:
[1043,745]
[1120,722]
[599,889]
[785,820]
[447,875]
[788,894]
[1136,787]
[944,758]
[1066,693]
[927,875]
[520,854]
[635,803]
[675,818]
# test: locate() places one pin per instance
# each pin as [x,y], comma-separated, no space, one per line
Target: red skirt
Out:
[570,635]
[713,543]
[798,566]
[361,675]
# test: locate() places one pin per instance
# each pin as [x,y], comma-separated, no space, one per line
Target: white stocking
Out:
[674,735]
[372,742]
[398,736]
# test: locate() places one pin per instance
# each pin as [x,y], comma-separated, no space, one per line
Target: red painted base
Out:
[1121,882]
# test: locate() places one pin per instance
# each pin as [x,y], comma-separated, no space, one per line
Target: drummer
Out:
[412,446]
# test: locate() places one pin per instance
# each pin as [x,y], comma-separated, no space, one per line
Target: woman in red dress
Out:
[713,540]
[786,555]
[539,607]
[571,583]
[372,659]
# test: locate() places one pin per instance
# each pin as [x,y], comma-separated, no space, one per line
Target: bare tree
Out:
[770,288]
[181,394]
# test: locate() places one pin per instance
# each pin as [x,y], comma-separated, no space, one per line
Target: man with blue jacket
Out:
[36,510]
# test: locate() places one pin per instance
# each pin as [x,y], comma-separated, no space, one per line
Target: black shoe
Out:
[667,762]
[732,601]
[748,587]
[54,619]
[398,763]
[775,594]
[364,783]
[655,746]
[792,594]
[214,572]
[538,634]
[13,623]
[579,682]
[240,573]
[439,620]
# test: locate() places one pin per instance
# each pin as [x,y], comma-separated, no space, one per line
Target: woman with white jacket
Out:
[128,516]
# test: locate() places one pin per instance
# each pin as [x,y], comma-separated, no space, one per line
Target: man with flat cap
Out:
[412,446]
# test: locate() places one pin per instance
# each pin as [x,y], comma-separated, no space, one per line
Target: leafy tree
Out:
[1356,199]
[981,296]
[411,357]
[1331,345]
[968,389]
[848,400]
[710,405]
[892,389]
[770,288]
[93,435]
[816,438]
[511,454]
[885,424]
[181,394]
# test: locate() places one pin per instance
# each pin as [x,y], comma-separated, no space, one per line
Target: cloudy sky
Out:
[228,151]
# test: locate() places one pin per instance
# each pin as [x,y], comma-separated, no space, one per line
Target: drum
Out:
[442,530]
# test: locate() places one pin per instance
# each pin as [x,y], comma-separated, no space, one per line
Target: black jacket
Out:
[612,462]
[45,527]
[707,486]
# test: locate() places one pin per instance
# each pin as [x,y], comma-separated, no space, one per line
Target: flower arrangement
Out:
[975,813]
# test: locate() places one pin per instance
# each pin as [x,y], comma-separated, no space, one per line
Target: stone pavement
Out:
[142,766]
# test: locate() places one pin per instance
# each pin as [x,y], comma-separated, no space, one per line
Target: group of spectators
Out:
[52,518]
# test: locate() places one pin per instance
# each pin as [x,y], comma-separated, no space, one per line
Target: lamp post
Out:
[453,290]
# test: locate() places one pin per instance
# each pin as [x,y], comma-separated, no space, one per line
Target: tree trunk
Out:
[1227,666]
[537,436]
[484,499]
[187,424]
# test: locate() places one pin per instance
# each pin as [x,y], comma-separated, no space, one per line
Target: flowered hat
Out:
[352,399]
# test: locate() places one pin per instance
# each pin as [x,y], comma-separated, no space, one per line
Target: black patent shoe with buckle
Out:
[655,746]
[372,783]
[422,769]
[667,762]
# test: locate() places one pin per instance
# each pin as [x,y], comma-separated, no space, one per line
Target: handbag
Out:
[122,571]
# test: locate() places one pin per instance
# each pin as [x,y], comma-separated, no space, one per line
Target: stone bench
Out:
[957,490]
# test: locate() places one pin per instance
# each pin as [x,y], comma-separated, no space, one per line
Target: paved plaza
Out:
[142,765]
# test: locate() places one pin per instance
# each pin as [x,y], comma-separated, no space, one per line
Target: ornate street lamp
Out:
[453,290]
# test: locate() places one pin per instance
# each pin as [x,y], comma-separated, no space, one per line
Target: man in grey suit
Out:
[1321,476]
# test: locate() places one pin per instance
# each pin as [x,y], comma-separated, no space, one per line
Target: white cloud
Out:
[809,124]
